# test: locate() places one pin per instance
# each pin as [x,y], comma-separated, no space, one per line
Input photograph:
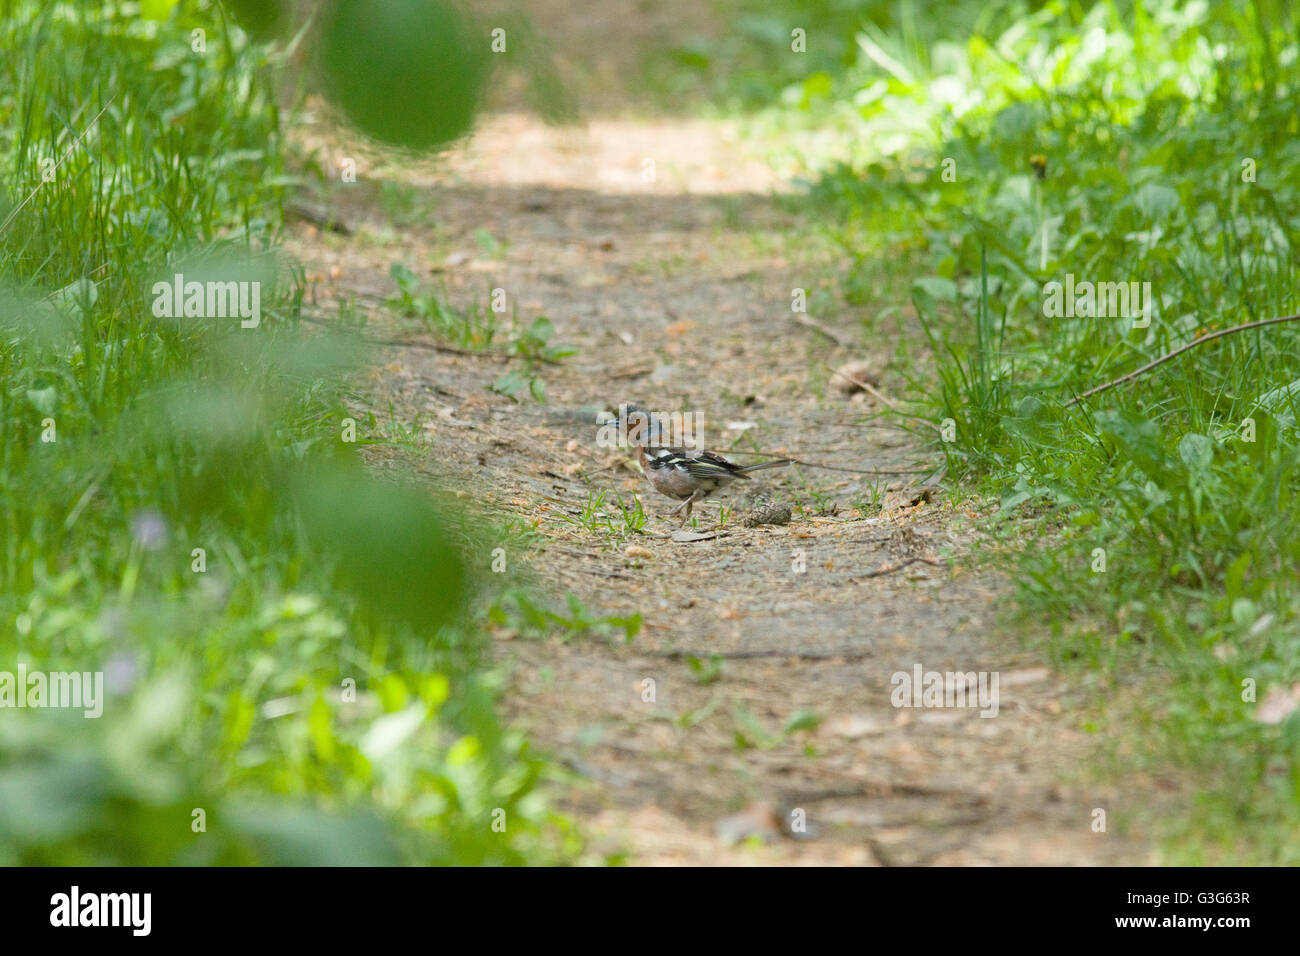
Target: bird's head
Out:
[635,424]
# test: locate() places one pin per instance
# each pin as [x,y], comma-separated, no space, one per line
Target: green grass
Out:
[614,520]
[520,610]
[472,328]
[1169,137]
[478,329]
[285,639]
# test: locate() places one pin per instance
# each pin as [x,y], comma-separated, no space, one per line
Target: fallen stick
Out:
[405,343]
[855,471]
[816,326]
[876,394]
[896,568]
[1177,352]
[847,654]
[317,215]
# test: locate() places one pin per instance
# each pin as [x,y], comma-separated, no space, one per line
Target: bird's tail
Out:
[776,463]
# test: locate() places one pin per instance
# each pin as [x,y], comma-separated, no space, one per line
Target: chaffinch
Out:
[685,474]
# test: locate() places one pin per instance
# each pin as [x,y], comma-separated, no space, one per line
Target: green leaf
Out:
[802,719]
[291,836]
[44,400]
[706,673]
[156,9]
[388,543]
[405,278]
[1196,451]
[320,725]
[937,287]
[1155,200]
[1244,612]
[1138,440]
[541,330]
[1234,578]
[487,242]
[510,383]
[390,731]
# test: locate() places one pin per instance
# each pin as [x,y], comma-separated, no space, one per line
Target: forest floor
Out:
[779,742]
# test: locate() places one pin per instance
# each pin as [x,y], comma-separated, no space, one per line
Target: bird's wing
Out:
[699,464]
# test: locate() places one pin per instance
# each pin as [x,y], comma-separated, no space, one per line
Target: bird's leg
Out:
[687,504]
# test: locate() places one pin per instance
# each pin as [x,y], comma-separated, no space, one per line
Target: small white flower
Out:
[149,529]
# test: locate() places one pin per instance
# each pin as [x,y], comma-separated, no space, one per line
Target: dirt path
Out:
[677,294]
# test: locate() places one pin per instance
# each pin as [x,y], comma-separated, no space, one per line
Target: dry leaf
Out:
[853,726]
[848,376]
[683,537]
[1027,676]
[756,820]
[1278,704]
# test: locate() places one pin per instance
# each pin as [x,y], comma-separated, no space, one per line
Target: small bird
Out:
[682,473]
